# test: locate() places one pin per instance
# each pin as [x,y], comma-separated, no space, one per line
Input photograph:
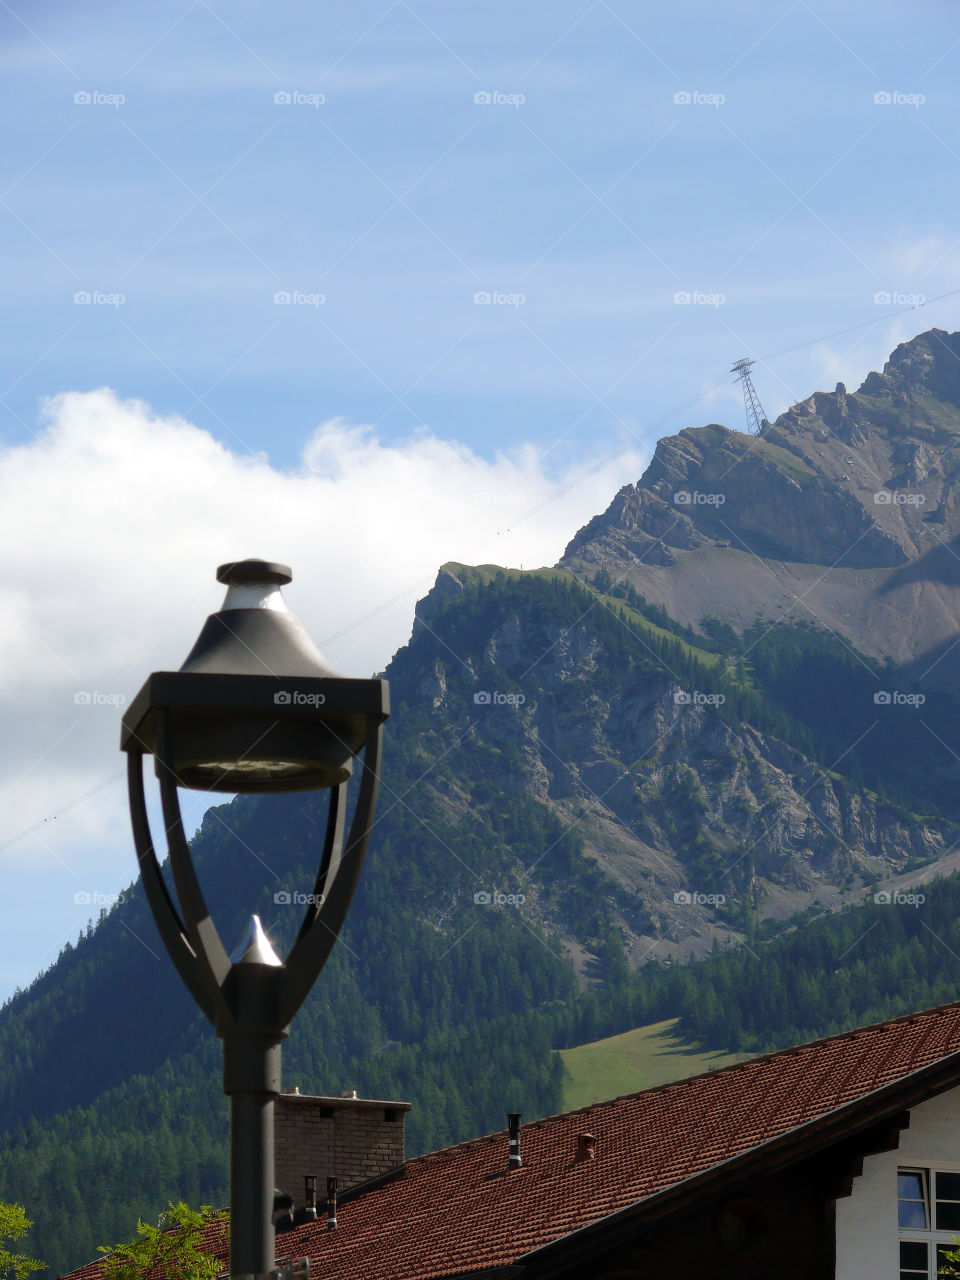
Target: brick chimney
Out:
[348,1138]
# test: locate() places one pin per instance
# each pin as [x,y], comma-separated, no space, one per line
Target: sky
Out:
[368,287]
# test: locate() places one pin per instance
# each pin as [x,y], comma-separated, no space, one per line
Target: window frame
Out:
[929,1236]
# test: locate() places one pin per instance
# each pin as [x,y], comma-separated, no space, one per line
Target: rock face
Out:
[843,511]
[692,816]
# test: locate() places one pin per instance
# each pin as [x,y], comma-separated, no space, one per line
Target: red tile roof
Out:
[459,1210]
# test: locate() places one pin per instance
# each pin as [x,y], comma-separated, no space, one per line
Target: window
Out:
[915,1259]
[948,1201]
[912,1198]
[928,1217]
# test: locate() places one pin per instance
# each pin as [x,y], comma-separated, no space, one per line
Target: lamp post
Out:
[255,708]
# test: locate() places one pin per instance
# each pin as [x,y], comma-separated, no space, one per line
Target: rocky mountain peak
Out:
[846,508]
[927,365]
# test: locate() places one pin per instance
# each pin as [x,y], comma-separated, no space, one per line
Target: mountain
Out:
[599,780]
[844,511]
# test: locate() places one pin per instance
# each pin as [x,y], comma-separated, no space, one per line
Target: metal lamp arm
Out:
[330,861]
[316,939]
[166,917]
[201,931]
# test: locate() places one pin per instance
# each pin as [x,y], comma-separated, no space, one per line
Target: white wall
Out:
[867,1236]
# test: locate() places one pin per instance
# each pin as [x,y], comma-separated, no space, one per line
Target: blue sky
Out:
[518,243]
[398,198]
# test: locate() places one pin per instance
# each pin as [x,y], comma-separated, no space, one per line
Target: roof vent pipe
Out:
[586,1147]
[331,1203]
[513,1119]
[310,1196]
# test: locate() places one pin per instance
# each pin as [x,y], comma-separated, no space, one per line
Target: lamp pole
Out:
[255,708]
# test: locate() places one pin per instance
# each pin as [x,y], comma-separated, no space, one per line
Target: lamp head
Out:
[256,707]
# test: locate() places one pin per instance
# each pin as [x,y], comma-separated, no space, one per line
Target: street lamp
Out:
[255,708]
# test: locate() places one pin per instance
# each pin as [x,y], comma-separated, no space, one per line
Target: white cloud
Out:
[115,520]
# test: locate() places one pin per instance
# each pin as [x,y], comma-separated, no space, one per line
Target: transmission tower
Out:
[756,418]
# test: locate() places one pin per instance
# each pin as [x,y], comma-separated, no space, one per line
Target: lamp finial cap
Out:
[241,572]
[255,947]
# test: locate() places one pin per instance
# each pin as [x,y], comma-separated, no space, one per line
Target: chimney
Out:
[513,1119]
[331,1203]
[586,1147]
[310,1196]
[348,1138]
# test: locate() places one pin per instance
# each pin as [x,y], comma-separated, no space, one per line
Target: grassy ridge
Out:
[639,1059]
[486,574]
